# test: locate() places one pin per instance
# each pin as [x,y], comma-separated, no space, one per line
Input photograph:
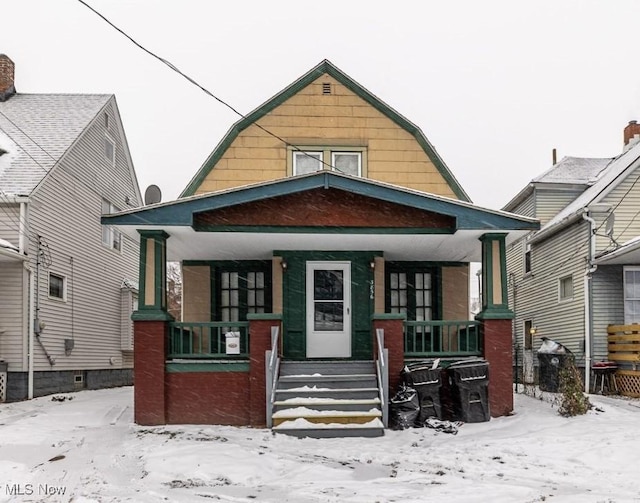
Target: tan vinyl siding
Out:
[196,293]
[455,293]
[12,314]
[608,306]
[341,119]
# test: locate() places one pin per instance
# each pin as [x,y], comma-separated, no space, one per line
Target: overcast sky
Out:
[494,85]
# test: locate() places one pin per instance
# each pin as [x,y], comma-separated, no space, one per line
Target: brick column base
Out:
[497,351]
[394,342]
[149,339]
[259,343]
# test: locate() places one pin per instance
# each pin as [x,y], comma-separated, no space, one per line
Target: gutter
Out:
[555,228]
[588,301]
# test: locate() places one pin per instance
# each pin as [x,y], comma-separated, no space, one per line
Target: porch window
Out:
[631,295]
[242,289]
[411,291]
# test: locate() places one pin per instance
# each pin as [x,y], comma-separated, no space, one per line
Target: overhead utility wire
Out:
[198,85]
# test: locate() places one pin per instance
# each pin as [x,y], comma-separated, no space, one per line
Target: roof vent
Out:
[326,88]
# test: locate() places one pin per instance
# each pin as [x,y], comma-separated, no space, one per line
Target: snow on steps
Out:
[327,399]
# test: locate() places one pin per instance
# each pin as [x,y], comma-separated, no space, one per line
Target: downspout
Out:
[23,240]
[588,322]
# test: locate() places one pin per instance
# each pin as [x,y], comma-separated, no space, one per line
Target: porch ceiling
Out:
[186,244]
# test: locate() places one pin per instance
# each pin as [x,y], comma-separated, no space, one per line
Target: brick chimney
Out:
[7,88]
[631,135]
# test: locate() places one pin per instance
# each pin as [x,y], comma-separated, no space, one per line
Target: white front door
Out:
[328,309]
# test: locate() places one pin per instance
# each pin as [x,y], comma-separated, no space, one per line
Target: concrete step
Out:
[337,394]
[333,381]
[302,428]
[330,416]
[316,403]
[327,367]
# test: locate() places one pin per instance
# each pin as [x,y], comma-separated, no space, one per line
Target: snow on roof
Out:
[574,170]
[38,129]
[607,179]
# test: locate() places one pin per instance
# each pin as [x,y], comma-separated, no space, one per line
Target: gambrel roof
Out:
[325,67]
[36,130]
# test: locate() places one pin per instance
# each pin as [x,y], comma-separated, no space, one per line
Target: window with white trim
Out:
[631,279]
[110,150]
[111,237]
[347,160]
[565,288]
[57,286]
[527,258]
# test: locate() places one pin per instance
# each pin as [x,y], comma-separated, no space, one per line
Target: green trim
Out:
[217,366]
[325,67]
[389,316]
[182,211]
[151,315]
[159,239]
[321,230]
[499,313]
[264,316]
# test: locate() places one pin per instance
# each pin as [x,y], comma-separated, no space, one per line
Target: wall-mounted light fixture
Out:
[284,265]
[372,264]
[533,330]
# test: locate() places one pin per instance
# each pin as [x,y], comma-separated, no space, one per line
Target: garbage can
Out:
[469,383]
[426,378]
[552,357]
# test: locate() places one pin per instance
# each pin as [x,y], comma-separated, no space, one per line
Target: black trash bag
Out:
[404,408]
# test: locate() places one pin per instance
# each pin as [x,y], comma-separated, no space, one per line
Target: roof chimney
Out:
[7,88]
[631,135]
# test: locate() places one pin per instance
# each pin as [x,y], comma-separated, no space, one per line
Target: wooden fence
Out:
[624,349]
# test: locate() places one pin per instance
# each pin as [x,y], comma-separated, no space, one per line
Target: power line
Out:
[198,85]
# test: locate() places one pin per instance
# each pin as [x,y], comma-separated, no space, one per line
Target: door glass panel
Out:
[328,300]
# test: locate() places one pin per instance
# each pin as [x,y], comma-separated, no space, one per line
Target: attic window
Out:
[106,120]
[326,88]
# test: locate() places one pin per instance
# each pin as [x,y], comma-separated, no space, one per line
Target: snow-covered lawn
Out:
[87,448]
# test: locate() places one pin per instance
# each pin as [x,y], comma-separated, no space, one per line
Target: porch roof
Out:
[627,254]
[459,243]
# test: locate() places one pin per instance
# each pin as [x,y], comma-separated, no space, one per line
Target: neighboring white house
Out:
[68,284]
[581,271]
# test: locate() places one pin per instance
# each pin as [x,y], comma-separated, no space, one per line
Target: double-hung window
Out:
[631,295]
[111,238]
[565,288]
[340,159]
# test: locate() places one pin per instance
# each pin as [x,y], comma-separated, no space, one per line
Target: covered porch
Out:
[319,267]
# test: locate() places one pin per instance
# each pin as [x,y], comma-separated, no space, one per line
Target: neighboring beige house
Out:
[68,284]
[580,272]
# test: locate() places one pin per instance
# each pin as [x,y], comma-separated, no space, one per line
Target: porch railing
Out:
[207,339]
[442,338]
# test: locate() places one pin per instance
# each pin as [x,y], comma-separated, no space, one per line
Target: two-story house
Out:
[69,285]
[578,274]
[325,231]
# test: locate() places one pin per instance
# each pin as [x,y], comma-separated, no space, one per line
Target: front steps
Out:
[327,399]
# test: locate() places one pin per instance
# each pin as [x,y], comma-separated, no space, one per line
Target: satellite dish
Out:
[608,229]
[152,195]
